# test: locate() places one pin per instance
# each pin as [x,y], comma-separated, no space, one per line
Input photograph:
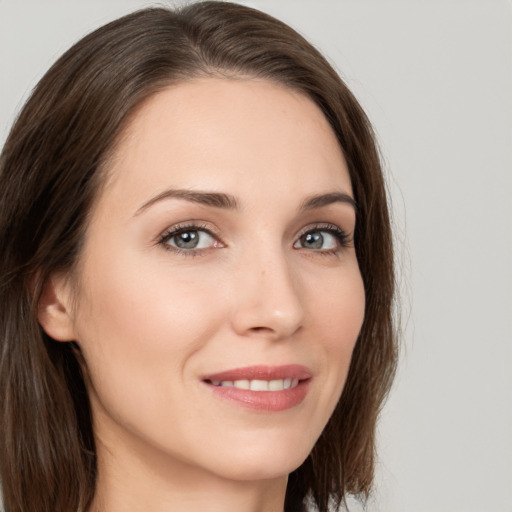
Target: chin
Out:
[257,462]
[252,471]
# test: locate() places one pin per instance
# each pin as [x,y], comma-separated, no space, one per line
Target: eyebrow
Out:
[320,200]
[215,199]
[229,202]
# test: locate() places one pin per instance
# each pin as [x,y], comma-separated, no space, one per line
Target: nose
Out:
[267,301]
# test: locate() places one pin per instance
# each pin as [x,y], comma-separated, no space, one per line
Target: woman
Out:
[197,274]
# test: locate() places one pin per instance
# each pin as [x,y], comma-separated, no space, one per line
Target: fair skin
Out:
[175,286]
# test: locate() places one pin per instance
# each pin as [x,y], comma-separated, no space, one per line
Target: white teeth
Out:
[276,385]
[242,384]
[258,385]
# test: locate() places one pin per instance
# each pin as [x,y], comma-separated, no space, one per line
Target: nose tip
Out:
[268,303]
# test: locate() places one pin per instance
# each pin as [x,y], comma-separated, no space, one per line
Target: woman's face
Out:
[219,256]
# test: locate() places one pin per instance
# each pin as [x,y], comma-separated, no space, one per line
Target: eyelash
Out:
[341,236]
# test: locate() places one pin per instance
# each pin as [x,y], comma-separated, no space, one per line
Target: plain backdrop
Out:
[436,80]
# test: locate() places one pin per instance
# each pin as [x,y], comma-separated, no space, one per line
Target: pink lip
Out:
[289,371]
[270,401]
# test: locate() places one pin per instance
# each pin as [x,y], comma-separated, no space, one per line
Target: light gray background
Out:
[436,80]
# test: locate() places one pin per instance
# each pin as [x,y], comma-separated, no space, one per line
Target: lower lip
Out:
[270,401]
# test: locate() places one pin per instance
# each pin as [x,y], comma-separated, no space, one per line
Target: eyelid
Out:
[322,226]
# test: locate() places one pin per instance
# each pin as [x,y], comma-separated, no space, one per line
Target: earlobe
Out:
[55,311]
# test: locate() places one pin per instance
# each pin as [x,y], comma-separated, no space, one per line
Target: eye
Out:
[188,238]
[318,240]
[323,239]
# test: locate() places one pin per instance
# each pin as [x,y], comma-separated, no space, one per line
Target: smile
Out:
[262,388]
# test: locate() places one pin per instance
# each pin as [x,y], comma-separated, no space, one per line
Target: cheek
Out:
[140,333]
[338,313]
[337,308]
[137,325]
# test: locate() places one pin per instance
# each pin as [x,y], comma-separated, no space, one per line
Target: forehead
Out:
[238,135]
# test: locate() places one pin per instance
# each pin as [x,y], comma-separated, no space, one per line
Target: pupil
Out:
[187,239]
[314,240]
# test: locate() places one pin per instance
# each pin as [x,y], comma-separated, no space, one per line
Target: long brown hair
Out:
[50,171]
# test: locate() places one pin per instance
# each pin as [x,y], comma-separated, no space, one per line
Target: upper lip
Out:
[262,372]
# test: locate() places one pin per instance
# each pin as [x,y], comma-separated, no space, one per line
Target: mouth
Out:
[263,388]
[257,384]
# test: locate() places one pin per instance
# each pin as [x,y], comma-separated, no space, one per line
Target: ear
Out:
[55,309]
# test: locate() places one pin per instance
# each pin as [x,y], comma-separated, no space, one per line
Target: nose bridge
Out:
[267,299]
